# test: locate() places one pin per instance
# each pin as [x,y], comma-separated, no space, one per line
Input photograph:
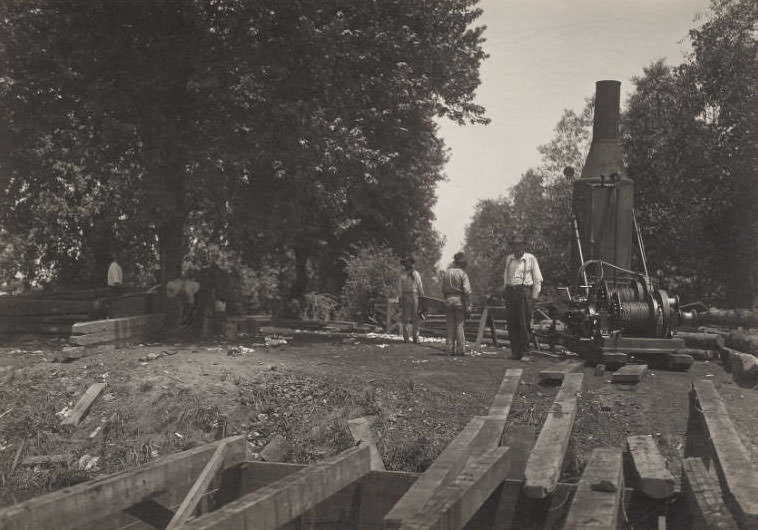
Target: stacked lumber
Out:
[53,313]
[96,336]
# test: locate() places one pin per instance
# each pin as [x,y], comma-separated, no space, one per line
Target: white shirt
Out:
[115,274]
[410,282]
[523,271]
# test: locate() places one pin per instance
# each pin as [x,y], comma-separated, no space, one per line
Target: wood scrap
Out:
[654,480]
[630,373]
[360,428]
[83,405]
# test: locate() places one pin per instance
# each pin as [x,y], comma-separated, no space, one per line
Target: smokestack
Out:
[604,157]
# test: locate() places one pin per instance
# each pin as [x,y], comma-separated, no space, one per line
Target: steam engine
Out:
[614,311]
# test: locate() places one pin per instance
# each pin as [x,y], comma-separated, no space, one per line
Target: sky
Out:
[545,56]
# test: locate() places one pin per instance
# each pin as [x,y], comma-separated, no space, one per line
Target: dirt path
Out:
[306,390]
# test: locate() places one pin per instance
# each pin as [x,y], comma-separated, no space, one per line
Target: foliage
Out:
[372,272]
[128,128]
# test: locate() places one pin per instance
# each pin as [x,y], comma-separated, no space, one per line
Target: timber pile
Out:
[97,336]
[488,477]
[54,313]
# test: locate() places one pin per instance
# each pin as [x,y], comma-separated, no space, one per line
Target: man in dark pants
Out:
[456,290]
[523,282]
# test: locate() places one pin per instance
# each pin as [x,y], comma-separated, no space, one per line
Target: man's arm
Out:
[536,278]
[420,284]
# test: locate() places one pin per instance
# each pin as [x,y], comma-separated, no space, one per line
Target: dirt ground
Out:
[165,397]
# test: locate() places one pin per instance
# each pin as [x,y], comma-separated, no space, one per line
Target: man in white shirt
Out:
[115,274]
[523,282]
[409,290]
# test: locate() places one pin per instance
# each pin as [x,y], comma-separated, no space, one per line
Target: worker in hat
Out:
[456,290]
[410,288]
[523,282]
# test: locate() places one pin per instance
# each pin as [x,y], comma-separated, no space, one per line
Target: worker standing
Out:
[409,289]
[523,282]
[456,290]
[115,277]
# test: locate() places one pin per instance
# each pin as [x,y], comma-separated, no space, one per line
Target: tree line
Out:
[280,138]
[689,138]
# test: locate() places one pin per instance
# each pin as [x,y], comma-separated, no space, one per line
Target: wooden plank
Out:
[703,495]
[28,305]
[737,474]
[75,506]
[360,428]
[501,403]
[83,405]
[45,460]
[629,373]
[555,373]
[69,353]
[546,460]
[279,503]
[198,489]
[480,331]
[479,435]
[116,325]
[597,499]
[452,506]
[442,471]
[654,480]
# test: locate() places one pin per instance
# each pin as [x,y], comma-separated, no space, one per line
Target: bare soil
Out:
[306,390]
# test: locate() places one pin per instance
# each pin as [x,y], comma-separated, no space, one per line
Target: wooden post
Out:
[480,331]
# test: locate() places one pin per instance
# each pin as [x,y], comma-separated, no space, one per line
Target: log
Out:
[743,341]
[744,367]
[28,305]
[729,317]
[706,341]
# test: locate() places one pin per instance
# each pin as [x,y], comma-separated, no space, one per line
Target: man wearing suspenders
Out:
[523,282]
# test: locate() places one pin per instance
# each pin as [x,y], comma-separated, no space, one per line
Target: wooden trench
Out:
[488,477]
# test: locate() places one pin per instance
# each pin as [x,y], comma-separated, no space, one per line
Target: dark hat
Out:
[517,238]
[407,260]
[459,258]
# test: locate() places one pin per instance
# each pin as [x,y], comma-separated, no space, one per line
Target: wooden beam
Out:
[501,403]
[452,506]
[555,373]
[654,480]
[737,474]
[286,499]
[75,506]
[543,468]
[703,495]
[480,434]
[360,428]
[442,471]
[83,405]
[629,373]
[597,499]
[198,489]
[117,325]
[480,331]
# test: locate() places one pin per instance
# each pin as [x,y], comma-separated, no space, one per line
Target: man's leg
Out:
[450,325]
[414,317]
[404,316]
[512,304]
[460,336]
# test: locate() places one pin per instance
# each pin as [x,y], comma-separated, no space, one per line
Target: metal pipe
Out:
[581,254]
[641,245]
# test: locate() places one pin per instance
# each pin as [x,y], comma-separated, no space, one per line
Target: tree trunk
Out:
[171,242]
[297,291]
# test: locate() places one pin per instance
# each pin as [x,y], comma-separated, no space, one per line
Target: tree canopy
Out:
[291,132]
